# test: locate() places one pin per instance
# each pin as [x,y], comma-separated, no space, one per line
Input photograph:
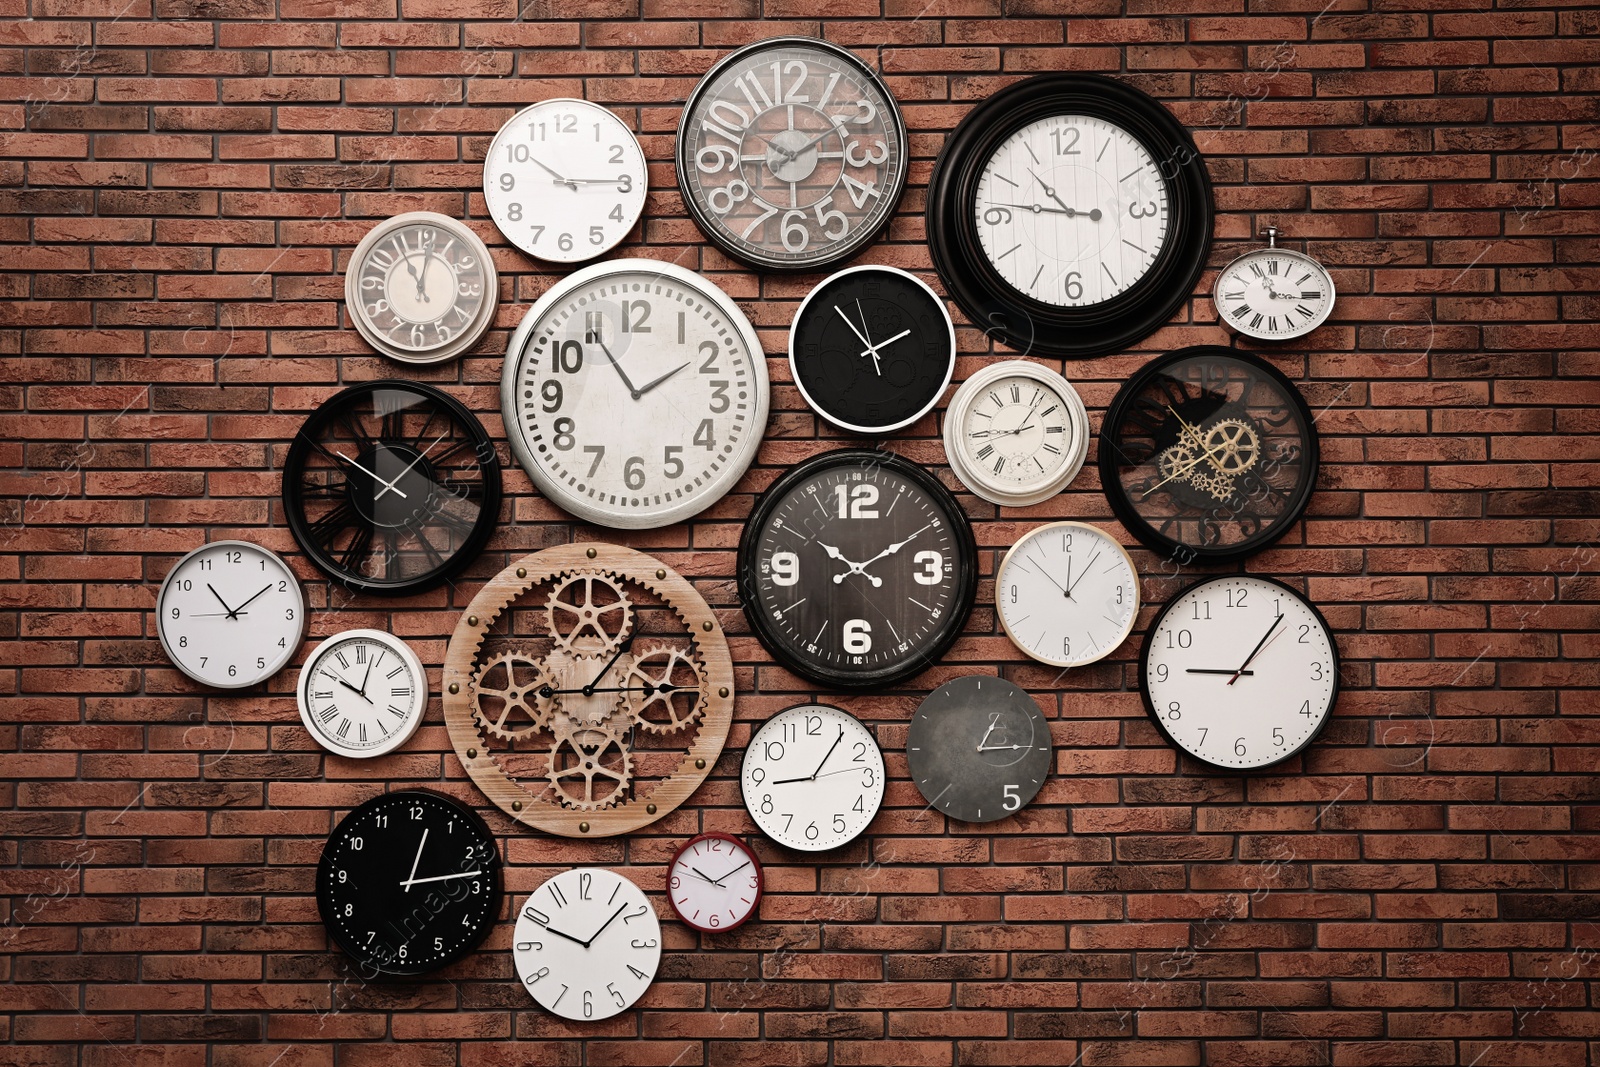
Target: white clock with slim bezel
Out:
[362,693]
[230,614]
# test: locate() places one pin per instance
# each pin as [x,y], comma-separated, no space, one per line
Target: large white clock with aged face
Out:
[421,287]
[362,693]
[1239,671]
[1067,594]
[1016,433]
[812,777]
[634,393]
[230,614]
[565,180]
[587,944]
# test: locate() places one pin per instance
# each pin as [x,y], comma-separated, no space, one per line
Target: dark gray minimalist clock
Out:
[979,748]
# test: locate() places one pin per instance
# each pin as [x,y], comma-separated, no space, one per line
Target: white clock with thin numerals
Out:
[587,944]
[1272,293]
[565,180]
[1240,671]
[421,287]
[812,777]
[230,614]
[714,882]
[1016,433]
[1067,594]
[362,693]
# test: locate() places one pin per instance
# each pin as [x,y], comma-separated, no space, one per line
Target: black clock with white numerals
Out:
[978,748]
[872,349]
[409,882]
[857,569]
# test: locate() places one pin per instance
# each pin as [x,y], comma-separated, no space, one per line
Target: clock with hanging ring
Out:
[1273,293]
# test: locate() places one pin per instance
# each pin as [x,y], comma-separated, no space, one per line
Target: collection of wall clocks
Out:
[978,748]
[1016,433]
[421,287]
[362,693]
[812,777]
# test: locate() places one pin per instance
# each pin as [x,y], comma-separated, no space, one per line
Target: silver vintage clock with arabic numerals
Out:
[421,287]
[587,944]
[1272,293]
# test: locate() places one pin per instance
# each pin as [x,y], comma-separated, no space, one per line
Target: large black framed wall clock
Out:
[1239,671]
[1069,215]
[978,748]
[792,154]
[391,487]
[1208,454]
[857,569]
[872,349]
[409,882]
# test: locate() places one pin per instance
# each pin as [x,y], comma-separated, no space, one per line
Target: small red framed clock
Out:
[714,882]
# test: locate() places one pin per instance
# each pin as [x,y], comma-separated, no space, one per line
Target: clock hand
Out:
[1093,214]
[643,389]
[413,272]
[559,179]
[861,336]
[647,688]
[1051,578]
[1000,748]
[620,909]
[703,876]
[613,361]
[412,877]
[736,870]
[263,589]
[872,350]
[1185,469]
[217,614]
[834,553]
[593,181]
[387,486]
[992,724]
[231,613]
[408,883]
[1209,670]
[407,469]
[1068,589]
[569,937]
[860,568]
[622,647]
[354,690]
[427,258]
[794,153]
[1259,645]
[1193,434]
[813,775]
[364,677]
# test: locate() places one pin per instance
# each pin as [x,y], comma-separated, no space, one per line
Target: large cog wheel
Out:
[586,621]
[590,777]
[1179,457]
[665,689]
[1233,445]
[505,696]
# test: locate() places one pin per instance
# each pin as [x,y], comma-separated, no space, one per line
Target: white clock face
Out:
[565,180]
[812,777]
[230,614]
[1016,433]
[587,944]
[421,287]
[1072,210]
[1240,672]
[1274,294]
[714,883]
[362,693]
[635,394]
[1067,593]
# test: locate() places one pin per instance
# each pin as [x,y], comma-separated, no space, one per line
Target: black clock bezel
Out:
[375,965]
[1155,627]
[1031,326]
[294,502]
[1127,512]
[965,586]
[924,715]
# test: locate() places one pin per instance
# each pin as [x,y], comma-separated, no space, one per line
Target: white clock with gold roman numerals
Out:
[362,693]
[587,944]
[1272,293]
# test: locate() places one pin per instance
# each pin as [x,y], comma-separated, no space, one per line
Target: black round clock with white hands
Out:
[978,748]
[587,944]
[812,777]
[872,349]
[1069,215]
[1239,671]
[857,569]
[408,883]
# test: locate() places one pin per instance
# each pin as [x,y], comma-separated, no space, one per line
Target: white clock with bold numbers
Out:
[634,393]
[230,614]
[587,944]
[812,777]
[1067,594]
[1272,293]
[1016,433]
[565,180]
[362,693]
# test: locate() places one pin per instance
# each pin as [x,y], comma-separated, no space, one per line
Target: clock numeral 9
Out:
[996,215]
[785,569]
[552,394]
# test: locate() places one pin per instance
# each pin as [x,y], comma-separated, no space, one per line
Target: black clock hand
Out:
[353,689]
[736,870]
[657,687]
[620,909]
[626,644]
[232,614]
[364,677]
[1208,670]
[828,754]
[1255,650]
[569,937]
[1053,582]
[1093,214]
[643,389]
[217,614]
[427,258]
[559,179]
[620,372]
[263,589]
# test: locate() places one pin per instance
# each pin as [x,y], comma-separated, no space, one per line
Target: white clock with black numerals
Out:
[812,777]
[1240,671]
[1067,594]
[362,693]
[1016,433]
[587,944]
[565,180]
[1272,293]
[230,614]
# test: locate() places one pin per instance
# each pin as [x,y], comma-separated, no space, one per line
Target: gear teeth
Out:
[589,765]
[676,708]
[580,626]
[515,689]
[1236,443]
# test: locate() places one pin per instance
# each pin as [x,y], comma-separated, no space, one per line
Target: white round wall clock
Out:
[812,777]
[421,287]
[1016,433]
[587,944]
[634,394]
[362,693]
[230,614]
[714,882]
[1067,594]
[1272,293]
[1239,671]
[565,180]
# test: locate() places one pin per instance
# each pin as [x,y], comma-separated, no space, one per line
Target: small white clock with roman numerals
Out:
[1272,293]
[362,693]
[587,944]
[1016,433]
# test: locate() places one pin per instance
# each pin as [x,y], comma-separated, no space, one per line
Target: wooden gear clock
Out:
[588,690]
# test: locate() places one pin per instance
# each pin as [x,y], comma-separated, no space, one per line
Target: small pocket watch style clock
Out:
[1272,293]
[230,614]
[1067,594]
[565,180]
[714,882]
[362,693]
[1208,454]
[1016,433]
[421,288]
[634,394]
[812,777]
[791,154]
[978,748]
[872,349]
[587,944]
[1239,671]
[409,882]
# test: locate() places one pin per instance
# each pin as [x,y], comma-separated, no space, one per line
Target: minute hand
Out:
[891,550]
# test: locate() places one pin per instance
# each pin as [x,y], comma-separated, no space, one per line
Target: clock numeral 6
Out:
[857,636]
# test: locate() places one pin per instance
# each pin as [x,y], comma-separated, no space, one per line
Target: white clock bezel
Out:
[528,965]
[580,505]
[1016,551]
[475,328]
[769,824]
[1272,249]
[972,475]
[274,665]
[415,713]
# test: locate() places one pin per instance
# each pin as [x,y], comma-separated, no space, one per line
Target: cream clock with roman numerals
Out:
[587,944]
[421,288]
[1016,433]
[362,693]
[1272,293]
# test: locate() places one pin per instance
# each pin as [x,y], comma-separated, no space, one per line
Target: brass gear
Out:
[505,695]
[579,623]
[1234,446]
[1212,482]
[575,767]
[661,710]
[1179,457]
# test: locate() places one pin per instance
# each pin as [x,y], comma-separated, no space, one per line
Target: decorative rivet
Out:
[722,692]
[522,572]
[472,753]
[455,687]
[516,805]
[661,572]
[591,553]
[699,764]
[583,828]
[472,620]
[650,809]
[706,626]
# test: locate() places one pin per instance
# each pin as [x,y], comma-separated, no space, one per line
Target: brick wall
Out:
[182,183]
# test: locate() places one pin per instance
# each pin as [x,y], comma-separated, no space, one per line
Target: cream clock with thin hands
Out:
[587,944]
[230,614]
[1272,293]
[1016,433]
[421,287]
[362,693]
[1067,594]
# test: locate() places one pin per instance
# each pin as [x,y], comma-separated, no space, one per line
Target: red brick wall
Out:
[182,182]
